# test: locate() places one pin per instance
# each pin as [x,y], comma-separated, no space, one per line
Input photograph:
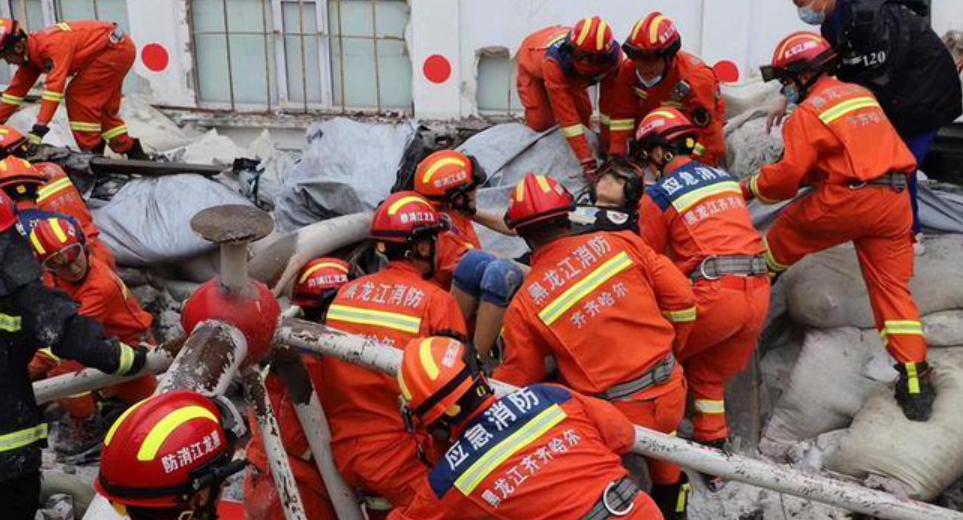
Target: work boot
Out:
[137,152]
[100,148]
[672,499]
[914,390]
[712,482]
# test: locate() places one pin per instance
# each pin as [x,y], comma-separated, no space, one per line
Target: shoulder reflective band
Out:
[685,202]
[707,406]
[52,189]
[526,435]
[9,323]
[19,439]
[681,316]
[390,320]
[846,107]
[584,287]
[162,430]
[10,99]
[63,26]
[573,131]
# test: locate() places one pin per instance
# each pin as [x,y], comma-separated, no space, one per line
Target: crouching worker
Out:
[101,295]
[314,289]
[481,283]
[609,310]
[144,472]
[543,452]
[33,316]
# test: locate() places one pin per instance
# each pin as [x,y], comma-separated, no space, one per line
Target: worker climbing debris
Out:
[543,452]
[840,141]
[600,289]
[556,66]
[658,74]
[95,57]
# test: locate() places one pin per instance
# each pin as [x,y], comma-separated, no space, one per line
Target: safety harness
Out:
[618,500]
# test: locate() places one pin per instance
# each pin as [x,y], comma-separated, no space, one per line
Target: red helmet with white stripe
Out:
[318,282]
[537,198]
[405,217]
[591,41]
[800,52]
[54,237]
[654,35]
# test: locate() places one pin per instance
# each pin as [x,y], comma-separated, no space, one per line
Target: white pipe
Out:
[234,267]
[371,354]
[91,379]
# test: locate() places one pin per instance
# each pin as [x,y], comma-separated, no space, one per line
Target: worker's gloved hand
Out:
[132,359]
[746,190]
[34,139]
[590,167]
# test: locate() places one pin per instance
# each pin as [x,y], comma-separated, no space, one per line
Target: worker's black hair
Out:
[541,233]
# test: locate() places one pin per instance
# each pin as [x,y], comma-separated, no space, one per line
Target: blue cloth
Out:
[494,280]
[920,147]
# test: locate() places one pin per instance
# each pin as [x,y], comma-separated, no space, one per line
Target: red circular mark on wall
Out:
[726,71]
[155,57]
[437,69]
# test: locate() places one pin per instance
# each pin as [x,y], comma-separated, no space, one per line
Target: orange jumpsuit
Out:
[606,307]
[559,472]
[693,213]
[452,246]
[372,448]
[552,91]
[98,56]
[836,140]
[59,195]
[261,500]
[103,296]
[689,85]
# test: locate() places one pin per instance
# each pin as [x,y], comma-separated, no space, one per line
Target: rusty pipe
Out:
[210,358]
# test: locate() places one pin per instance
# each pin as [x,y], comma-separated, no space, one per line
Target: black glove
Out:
[34,139]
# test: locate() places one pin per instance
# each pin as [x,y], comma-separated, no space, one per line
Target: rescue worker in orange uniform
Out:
[566,467]
[97,55]
[839,141]
[47,188]
[101,295]
[144,472]
[695,214]
[657,73]
[556,66]
[609,310]
[314,289]
[481,283]
[373,449]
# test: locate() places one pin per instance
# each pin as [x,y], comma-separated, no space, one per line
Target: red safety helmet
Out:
[448,176]
[8,28]
[654,35]
[8,212]
[11,140]
[591,41]
[667,127]
[164,450]
[799,53]
[405,217]
[537,198]
[318,282]
[436,373]
[17,176]
[56,237]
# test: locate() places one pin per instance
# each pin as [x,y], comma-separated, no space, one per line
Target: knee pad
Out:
[470,271]
[500,281]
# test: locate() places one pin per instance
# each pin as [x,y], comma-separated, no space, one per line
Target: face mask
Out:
[811,16]
[792,93]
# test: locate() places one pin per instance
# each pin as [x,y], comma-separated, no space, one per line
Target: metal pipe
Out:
[208,361]
[292,372]
[234,267]
[91,379]
[371,354]
[267,423]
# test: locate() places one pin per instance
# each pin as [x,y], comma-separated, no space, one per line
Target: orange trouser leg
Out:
[80,406]
[262,502]
[879,221]
[386,467]
[732,313]
[662,413]
[93,99]
[534,97]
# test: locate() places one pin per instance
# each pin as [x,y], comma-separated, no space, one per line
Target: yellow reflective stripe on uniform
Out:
[52,189]
[10,323]
[912,378]
[526,435]
[771,262]
[605,119]
[641,93]
[19,439]
[49,353]
[698,149]
[120,420]
[84,126]
[11,99]
[390,320]
[707,406]
[63,26]
[438,165]
[584,287]
[166,426]
[685,202]
[50,95]
[846,107]
[683,497]
[127,356]
[754,188]
[902,328]
[574,130]
[114,132]
[622,125]
[428,362]
[683,316]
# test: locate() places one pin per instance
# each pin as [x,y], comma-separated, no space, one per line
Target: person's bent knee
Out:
[470,271]
[500,281]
